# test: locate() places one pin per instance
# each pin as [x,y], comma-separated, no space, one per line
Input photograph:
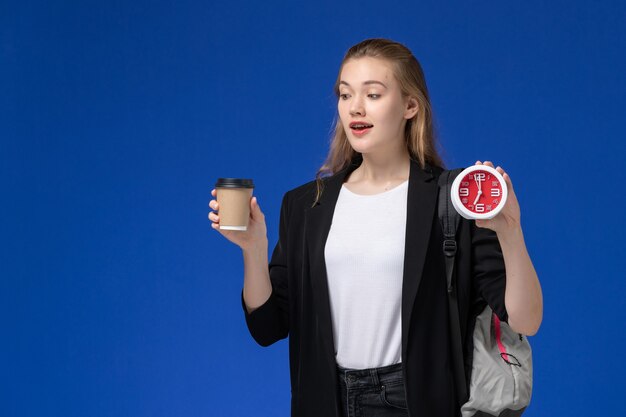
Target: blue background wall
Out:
[116,296]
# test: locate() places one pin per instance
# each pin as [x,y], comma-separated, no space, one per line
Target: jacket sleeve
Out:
[488,271]
[270,322]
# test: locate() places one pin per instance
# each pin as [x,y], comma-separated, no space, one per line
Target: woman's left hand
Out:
[508,220]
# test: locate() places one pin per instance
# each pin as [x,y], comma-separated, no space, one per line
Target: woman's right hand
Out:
[248,239]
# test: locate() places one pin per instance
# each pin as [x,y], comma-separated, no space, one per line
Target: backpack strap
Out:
[449,220]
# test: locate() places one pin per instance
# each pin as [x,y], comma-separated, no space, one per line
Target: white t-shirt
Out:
[364,263]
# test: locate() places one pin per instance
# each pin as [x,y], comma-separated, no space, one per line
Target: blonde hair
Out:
[419,131]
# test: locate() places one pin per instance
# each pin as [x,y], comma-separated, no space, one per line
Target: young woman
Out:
[357,278]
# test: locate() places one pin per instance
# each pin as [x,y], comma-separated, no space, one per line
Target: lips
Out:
[360,125]
[360,128]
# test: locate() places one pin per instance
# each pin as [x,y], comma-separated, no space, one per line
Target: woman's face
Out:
[370,95]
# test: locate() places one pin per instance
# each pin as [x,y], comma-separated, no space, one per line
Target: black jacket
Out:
[299,305]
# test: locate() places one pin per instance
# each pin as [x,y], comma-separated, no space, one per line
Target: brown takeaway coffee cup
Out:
[233,198]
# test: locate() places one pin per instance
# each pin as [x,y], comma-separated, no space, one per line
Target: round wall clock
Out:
[478,192]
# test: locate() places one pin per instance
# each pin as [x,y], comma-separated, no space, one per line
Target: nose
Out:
[356,107]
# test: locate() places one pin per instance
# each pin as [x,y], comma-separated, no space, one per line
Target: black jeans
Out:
[374,392]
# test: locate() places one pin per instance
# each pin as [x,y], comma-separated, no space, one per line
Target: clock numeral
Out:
[494,183]
[495,192]
[480,176]
[464,192]
[464,200]
[496,201]
[465,183]
[480,208]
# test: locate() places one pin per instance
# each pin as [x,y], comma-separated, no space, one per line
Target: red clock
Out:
[478,192]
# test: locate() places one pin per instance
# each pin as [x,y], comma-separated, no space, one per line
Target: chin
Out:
[360,145]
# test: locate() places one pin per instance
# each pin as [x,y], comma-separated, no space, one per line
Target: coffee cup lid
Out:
[234,183]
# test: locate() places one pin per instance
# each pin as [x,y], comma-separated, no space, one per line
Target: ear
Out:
[412,106]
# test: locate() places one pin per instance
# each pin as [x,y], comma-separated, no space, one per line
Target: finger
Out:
[214,217]
[499,169]
[484,223]
[489,163]
[255,210]
[213,204]
[478,163]
[214,192]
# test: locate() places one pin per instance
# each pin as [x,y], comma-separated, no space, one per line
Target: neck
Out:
[379,168]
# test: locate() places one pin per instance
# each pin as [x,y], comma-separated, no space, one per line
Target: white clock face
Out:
[479,192]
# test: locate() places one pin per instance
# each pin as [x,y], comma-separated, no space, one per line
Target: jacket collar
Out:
[421,205]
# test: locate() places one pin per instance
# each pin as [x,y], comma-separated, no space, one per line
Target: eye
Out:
[374,96]
[343,96]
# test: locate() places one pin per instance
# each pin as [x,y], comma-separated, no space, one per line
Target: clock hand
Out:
[477,196]
[479,185]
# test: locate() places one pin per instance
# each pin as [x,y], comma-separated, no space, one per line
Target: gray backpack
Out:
[500,383]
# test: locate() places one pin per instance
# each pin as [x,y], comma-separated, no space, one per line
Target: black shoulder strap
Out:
[449,219]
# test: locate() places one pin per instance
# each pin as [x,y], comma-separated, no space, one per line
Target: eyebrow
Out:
[365,83]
